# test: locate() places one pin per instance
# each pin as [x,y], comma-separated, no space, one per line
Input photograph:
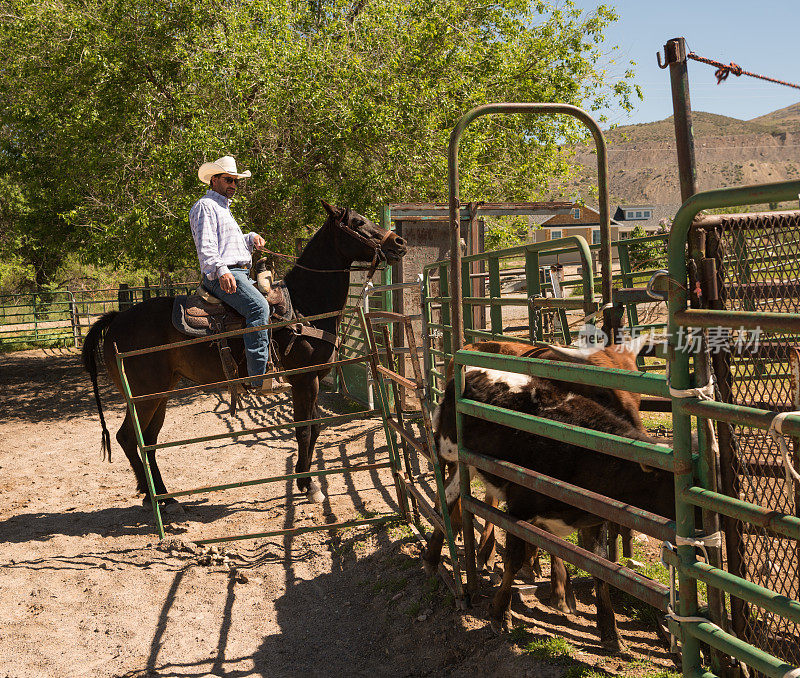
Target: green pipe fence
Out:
[542,310]
[691,492]
[354,380]
[427,499]
[392,463]
[60,317]
[695,480]
[435,306]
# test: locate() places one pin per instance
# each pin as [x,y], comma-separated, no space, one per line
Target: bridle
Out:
[379,256]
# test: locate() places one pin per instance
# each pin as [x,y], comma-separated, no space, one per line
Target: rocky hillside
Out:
[642,158]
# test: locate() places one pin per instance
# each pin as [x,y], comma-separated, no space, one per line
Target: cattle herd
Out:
[602,409]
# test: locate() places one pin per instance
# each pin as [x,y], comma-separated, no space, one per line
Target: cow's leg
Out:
[487,543]
[513,560]
[562,595]
[594,540]
[305,389]
[613,541]
[627,541]
[432,554]
[532,559]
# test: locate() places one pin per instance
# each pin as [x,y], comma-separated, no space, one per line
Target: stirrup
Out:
[272,384]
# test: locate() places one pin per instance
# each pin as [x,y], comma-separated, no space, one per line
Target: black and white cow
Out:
[629,482]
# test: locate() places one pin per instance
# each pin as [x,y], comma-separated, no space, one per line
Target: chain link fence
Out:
[757,261]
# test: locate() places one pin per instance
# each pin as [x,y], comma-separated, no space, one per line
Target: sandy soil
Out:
[87,589]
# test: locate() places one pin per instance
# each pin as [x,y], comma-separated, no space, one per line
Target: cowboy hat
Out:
[224,165]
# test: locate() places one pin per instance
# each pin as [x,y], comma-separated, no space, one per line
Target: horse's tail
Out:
[92,345]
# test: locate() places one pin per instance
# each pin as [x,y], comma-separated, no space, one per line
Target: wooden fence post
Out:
[75,321]
[124,297]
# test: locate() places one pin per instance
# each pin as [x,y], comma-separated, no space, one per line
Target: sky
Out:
[760,36]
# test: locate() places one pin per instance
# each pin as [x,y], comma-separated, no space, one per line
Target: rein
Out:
[376,260]
[305,268]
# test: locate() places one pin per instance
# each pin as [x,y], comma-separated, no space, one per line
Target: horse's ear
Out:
[332,211]
[346,215]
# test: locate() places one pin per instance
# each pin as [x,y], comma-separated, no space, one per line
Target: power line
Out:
[702,148]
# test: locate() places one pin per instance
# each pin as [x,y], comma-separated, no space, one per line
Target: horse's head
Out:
[359,239]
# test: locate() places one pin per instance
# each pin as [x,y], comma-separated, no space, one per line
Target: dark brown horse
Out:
[318,283]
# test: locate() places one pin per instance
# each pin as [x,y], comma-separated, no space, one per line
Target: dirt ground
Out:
[87,589]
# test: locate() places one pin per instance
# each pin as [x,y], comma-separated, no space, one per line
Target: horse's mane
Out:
[307,251]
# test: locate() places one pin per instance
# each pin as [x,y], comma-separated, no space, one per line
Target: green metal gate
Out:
[363,356]
[748,272]
[737,268]
[764,609]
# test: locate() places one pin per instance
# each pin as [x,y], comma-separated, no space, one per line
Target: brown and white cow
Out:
[609,410]
[624,403]
[620,356]
[626,481]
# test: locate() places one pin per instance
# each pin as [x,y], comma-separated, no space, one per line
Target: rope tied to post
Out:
[714,540]
[775,431]
[701,542]
[724,70]
[674,616]
[705,392]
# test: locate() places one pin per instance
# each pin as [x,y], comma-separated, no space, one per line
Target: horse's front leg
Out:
[304,398]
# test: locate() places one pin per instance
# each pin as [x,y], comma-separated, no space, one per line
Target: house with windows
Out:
[649,217]
[581,220]
[585,221]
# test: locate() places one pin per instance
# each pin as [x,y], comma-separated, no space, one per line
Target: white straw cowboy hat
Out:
[224,165]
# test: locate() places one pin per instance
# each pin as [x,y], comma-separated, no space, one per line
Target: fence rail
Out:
[62,317]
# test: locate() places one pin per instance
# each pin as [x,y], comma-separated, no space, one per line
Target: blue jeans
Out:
[248,301]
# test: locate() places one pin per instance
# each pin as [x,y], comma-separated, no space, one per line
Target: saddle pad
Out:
[192,316]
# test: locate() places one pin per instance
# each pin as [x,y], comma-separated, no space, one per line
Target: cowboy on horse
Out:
[225,255]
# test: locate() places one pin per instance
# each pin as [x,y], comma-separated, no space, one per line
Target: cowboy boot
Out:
[272,384]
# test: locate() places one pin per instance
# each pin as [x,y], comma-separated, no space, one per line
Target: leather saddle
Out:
[201,314]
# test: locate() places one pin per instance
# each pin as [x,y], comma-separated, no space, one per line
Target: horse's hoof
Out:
[572,604]
[315,494]
[174,509]
[497,626]
[561,606]
[169,507]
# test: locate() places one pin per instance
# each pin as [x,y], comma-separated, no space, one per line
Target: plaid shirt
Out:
[219,240]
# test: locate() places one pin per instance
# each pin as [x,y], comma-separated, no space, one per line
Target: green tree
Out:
[107,108]
[644,255]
